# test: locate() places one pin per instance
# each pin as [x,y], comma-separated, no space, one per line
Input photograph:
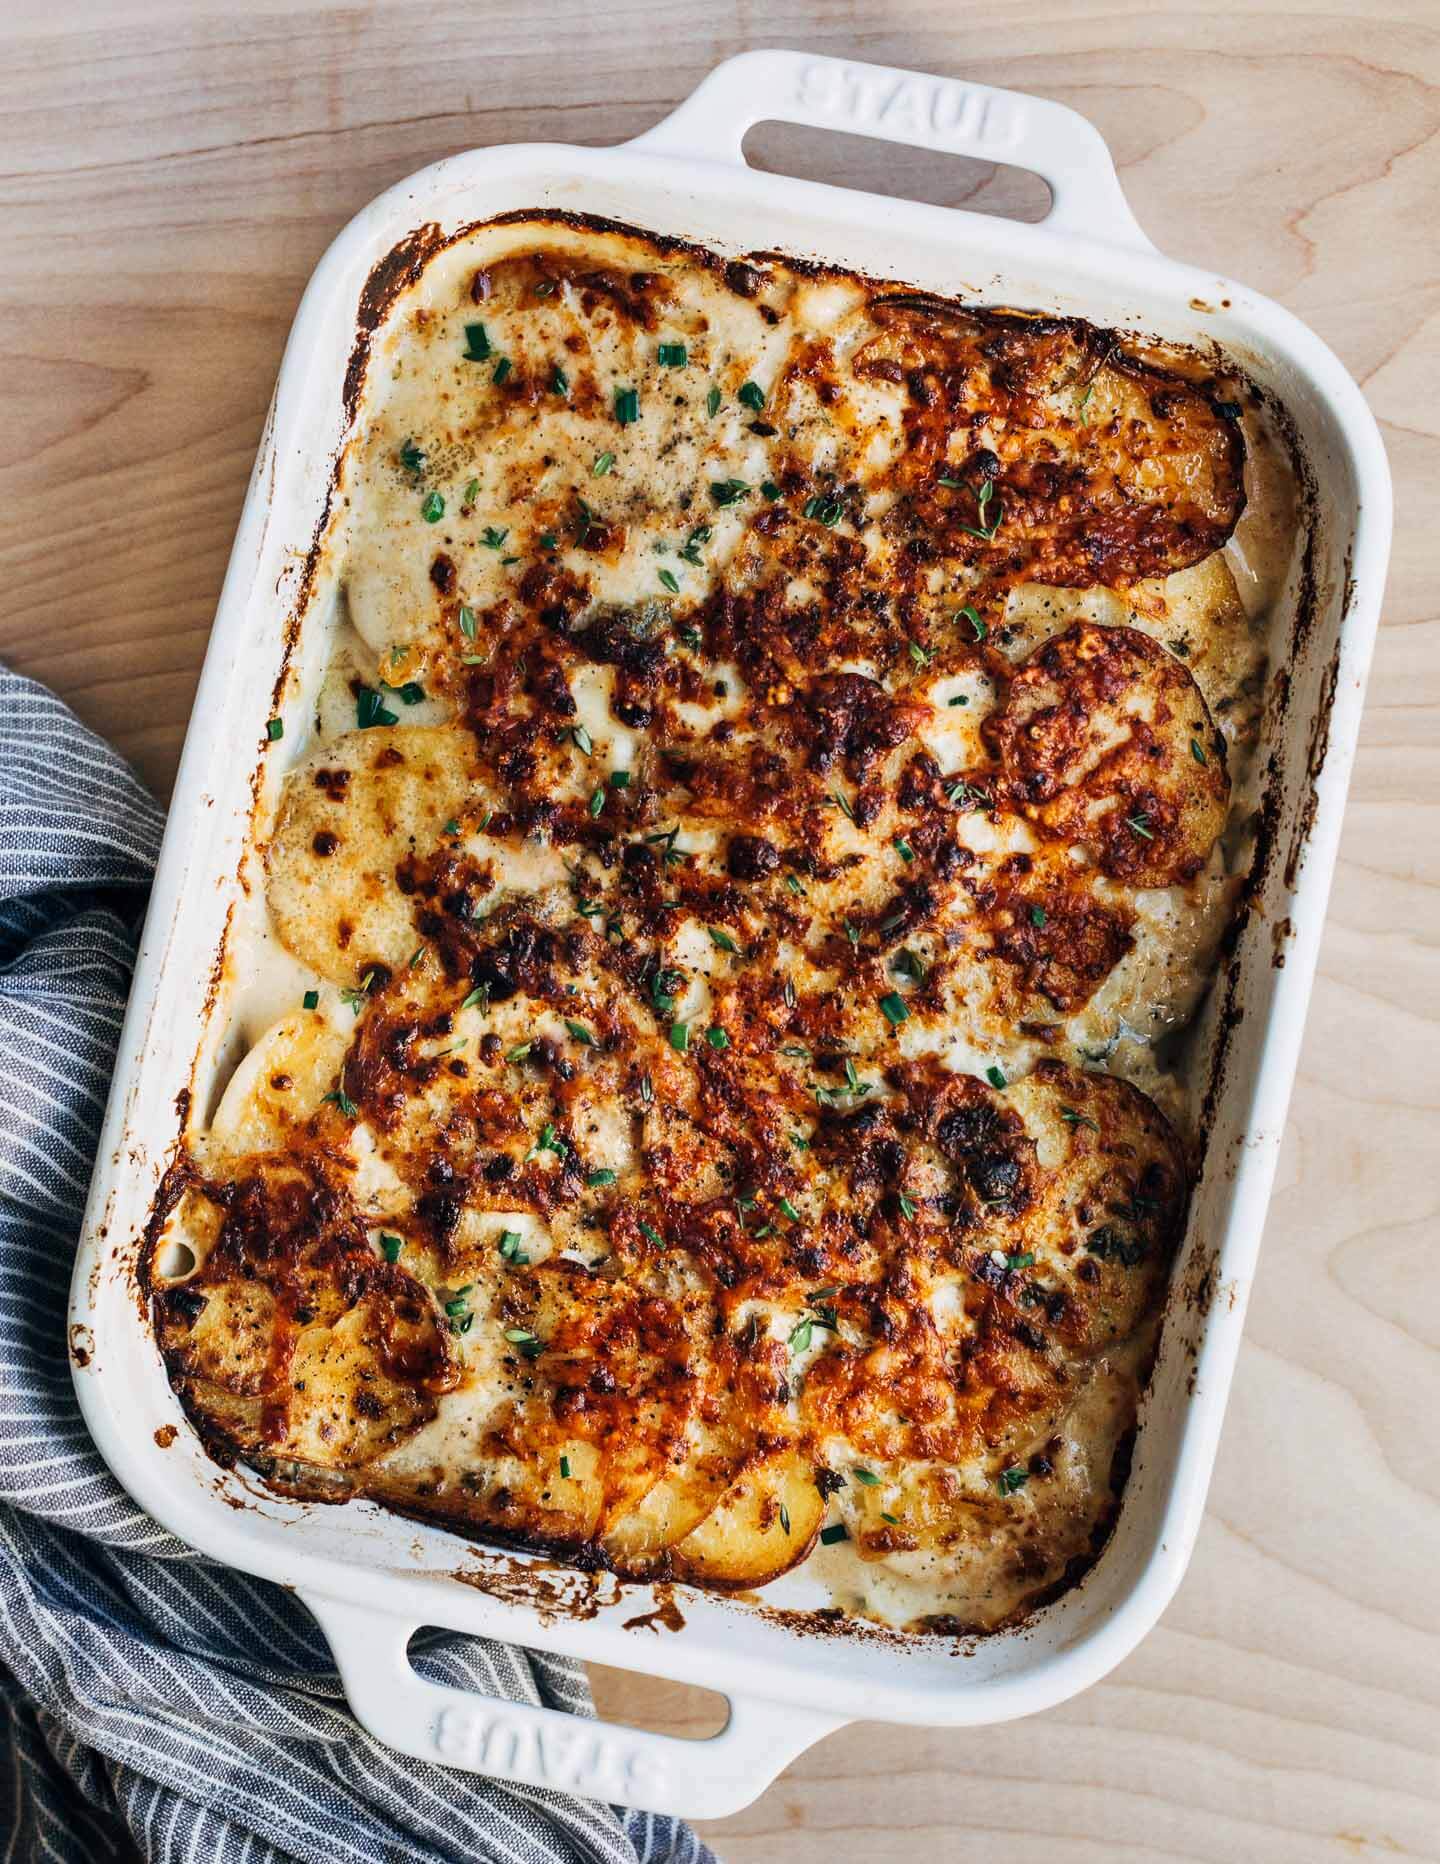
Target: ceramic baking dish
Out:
[371,1577]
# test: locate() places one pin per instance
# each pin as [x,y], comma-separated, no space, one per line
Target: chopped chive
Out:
[527,1342]
[789,1210]
[390,1247]
[559,381]
[672,355]
[1024,1260]
[908,1207]
[712,403]
[597,1179]
[627,406]
[651,1234]
[717,1037]
[996,1076]
[1037,915]
[895,1009]
[680,1037]
[793,883]
[843,804]
[668,581]
[836,1531]
[903,849]
[371,709]
[1197,751]
[510,1248]
[546,540]
[825,509]
[502,369]
[477,344]
[602,465]
[433,510]
[619,779]
[275,729]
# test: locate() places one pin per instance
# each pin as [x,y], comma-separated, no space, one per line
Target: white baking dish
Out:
[370,1577]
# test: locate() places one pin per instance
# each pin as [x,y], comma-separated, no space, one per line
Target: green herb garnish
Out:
[371,709]
[824,508]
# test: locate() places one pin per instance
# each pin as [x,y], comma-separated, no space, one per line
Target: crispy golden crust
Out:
[632,1196]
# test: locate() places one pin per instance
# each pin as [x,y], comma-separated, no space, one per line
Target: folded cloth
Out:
[155,1701]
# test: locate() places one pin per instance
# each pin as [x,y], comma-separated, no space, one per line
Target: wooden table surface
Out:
[169,174]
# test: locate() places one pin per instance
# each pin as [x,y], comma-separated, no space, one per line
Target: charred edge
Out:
[389,276]
[1315,755]
[1272,795]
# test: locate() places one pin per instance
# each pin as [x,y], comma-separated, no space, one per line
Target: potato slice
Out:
[351,813]
[1107,743]
[277,1086]
[635,1537]
[762,1526]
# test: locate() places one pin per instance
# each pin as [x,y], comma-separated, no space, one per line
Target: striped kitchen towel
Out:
[154,1701]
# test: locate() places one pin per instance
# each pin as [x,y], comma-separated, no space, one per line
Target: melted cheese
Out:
[744,900]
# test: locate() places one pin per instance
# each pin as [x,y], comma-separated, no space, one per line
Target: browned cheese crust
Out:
[632,1198]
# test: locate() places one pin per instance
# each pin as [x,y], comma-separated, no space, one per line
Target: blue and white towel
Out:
[153,1700]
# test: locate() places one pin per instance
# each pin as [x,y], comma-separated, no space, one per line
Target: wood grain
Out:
[172,171]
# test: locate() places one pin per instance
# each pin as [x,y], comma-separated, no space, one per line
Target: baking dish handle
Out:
[532,1746]
[945,114]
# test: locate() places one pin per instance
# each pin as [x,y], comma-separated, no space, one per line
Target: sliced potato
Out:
[763,1524]
[1106,742]
[352,812]
[278,1085]
[636,1535]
